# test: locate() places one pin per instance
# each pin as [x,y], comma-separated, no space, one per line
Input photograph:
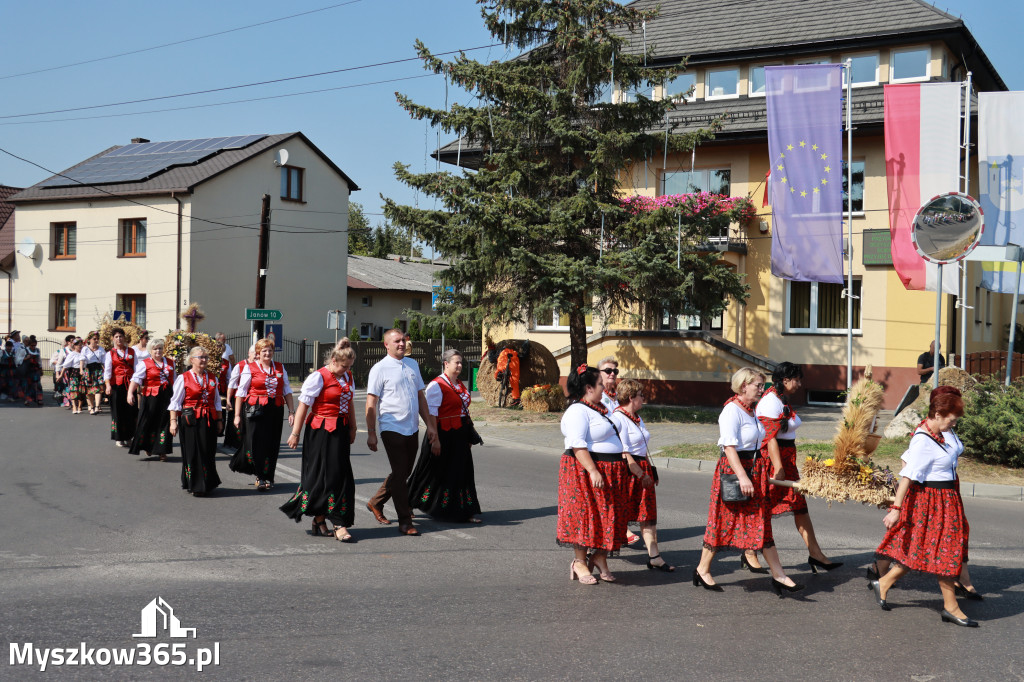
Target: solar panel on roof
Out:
[141,161]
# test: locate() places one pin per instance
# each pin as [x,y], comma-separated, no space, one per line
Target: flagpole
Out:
[1013,323]
[849,223]
[967,190]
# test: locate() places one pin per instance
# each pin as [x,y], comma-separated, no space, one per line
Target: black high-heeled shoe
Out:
[948,617]
[815,564]
[877,588]
[659,567]
[962,591]
[746,564]
[698,581]
[872,572]
[779,586]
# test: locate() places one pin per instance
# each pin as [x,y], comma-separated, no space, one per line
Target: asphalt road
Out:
[91,535]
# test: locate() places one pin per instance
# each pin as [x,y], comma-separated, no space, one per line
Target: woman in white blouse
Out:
[150,389]
[591,480]
[443,482]
[232,433]
[747,524]
[781,423]
[642,500]
[195,410]
[94,356]
[327,488]
[263,391]
[71,375]
[927,528]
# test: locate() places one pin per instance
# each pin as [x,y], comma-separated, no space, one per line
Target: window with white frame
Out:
[911,64]
[756,81]
[722,83]
[631,93]
[694,322]
[858,186]
[820,308]
[546,318]
[864,68]
[712,180]
[816,60]
[603,93]
[682,88]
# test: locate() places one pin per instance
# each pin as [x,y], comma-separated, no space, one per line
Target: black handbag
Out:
[729,484]
[188,416]
[253,411]
[474,437]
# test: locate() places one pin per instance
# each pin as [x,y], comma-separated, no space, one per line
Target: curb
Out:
[991,491]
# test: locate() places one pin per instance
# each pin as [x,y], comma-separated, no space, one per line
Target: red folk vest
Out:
[122,368]
[333,402]
[258,385]
[454,404]
[153,383]
[222,378]
[199,395]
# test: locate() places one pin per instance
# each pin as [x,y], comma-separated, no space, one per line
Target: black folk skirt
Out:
[444,485]
[261,444]
[198,451]
[328,487]
[153,430]
[123,417]
[232,435]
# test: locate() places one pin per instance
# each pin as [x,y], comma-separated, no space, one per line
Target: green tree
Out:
[526,229]
[379,241]
[360,234]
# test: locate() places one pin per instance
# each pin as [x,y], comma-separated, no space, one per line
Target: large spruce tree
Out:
[524,231]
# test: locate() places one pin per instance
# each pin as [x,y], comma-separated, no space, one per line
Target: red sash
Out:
[258,385]
[153,382]
[333,402]
[199,395]
[455,401]
[122,368]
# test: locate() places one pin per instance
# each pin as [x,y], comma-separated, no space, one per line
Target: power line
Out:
[219,104]
[178,42]
[238,87]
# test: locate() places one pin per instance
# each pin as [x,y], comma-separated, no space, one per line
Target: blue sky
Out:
[361,128]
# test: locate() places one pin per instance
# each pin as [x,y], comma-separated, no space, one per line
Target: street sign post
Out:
[336,321]
[262,314]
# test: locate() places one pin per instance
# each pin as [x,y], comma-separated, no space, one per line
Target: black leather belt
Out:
[783,443]
[600,456]
[939,485]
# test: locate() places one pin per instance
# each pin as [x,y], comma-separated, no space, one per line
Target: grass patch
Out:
[661,414]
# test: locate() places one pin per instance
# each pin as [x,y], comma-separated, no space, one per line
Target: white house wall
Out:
[307,272]
[96,275]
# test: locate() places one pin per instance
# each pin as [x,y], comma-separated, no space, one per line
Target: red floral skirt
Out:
[589,517]
[931,534]
[786,500]
[642,504]
[740,525]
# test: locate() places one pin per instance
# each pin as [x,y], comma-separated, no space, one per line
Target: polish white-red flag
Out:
[922,160]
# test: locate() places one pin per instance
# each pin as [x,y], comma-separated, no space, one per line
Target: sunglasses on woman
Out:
[610,371]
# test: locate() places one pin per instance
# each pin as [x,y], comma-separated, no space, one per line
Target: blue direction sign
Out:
[257,314]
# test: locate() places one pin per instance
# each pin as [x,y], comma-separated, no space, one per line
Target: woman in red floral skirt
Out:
[742,525]
[780,423]
[927,528]
[591,479]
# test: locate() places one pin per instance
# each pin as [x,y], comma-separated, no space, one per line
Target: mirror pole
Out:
[967,191]
[1013,324]
[938,327]
[849,225]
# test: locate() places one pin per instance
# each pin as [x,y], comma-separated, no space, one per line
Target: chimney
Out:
[139,140]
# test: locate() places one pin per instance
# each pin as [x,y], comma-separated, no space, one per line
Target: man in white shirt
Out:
[394,393]
[228,354]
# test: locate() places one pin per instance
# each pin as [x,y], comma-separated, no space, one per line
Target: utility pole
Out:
[261,262]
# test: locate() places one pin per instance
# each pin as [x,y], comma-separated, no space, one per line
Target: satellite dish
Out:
[947,227]
[27,248]
[281,157]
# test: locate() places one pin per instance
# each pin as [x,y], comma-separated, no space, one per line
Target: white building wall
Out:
[97,274]
[307,272]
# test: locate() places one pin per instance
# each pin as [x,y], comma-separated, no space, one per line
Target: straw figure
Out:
[178,344]
[538,366]
[132,331]
[850,474]
[544,398]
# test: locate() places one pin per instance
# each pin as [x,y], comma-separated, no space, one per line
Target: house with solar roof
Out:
[149,227]
[687,360]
